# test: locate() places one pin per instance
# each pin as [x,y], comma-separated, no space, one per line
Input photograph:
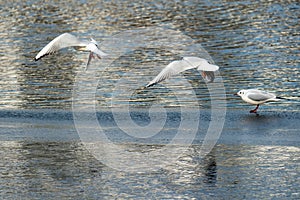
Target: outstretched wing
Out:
[201,64]
[62,41]
[186,63]
[171,69]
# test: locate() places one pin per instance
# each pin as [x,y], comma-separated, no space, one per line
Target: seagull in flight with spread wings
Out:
[178,66]
[257,97]
[68,40]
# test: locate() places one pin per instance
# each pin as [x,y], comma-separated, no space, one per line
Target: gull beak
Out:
[235,94]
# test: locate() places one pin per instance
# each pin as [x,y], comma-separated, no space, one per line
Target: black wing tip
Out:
[282,98]
[149,85]
[36,59]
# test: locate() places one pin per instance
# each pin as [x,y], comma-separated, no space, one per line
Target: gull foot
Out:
[253,111]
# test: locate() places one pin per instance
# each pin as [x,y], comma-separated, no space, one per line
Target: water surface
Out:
[256,44]
[66,170]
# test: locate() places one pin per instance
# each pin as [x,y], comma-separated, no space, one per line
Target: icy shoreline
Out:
[240,127]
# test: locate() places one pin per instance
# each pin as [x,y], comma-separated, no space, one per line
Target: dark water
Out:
[256,44]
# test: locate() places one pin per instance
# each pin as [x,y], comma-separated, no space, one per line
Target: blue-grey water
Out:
[256,45]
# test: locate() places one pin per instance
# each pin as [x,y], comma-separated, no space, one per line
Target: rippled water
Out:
[255,43]
[66,170]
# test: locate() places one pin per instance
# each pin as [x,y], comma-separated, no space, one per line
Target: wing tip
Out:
[150,85]
[38,57]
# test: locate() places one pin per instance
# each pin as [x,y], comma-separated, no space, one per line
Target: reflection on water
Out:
[255,43]
[66,169]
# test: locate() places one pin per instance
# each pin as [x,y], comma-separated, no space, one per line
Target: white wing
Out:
[173,68]
[62,41]
[201,64]
[258,95]
[186,63]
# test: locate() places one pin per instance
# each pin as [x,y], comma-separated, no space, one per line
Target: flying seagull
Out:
[257,97]
[186,63]
[69,40]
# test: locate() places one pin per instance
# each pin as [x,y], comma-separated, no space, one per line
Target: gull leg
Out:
[98,56]
[208,76]
[254,111]
[91,55]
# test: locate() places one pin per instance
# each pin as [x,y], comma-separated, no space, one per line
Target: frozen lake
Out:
[254,158]
[45,148]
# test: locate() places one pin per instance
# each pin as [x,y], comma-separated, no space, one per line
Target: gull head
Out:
[241,93]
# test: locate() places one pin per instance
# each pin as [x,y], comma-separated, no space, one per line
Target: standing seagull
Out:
[186,63]
[257,97]
[69,40]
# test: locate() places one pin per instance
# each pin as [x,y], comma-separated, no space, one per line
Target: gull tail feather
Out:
[283,98]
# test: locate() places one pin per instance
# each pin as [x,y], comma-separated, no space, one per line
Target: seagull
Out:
[257,97]
[68,40]
[186,63]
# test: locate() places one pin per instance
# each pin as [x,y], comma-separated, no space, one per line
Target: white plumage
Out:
[257,97]
[186,63]
[68,40]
